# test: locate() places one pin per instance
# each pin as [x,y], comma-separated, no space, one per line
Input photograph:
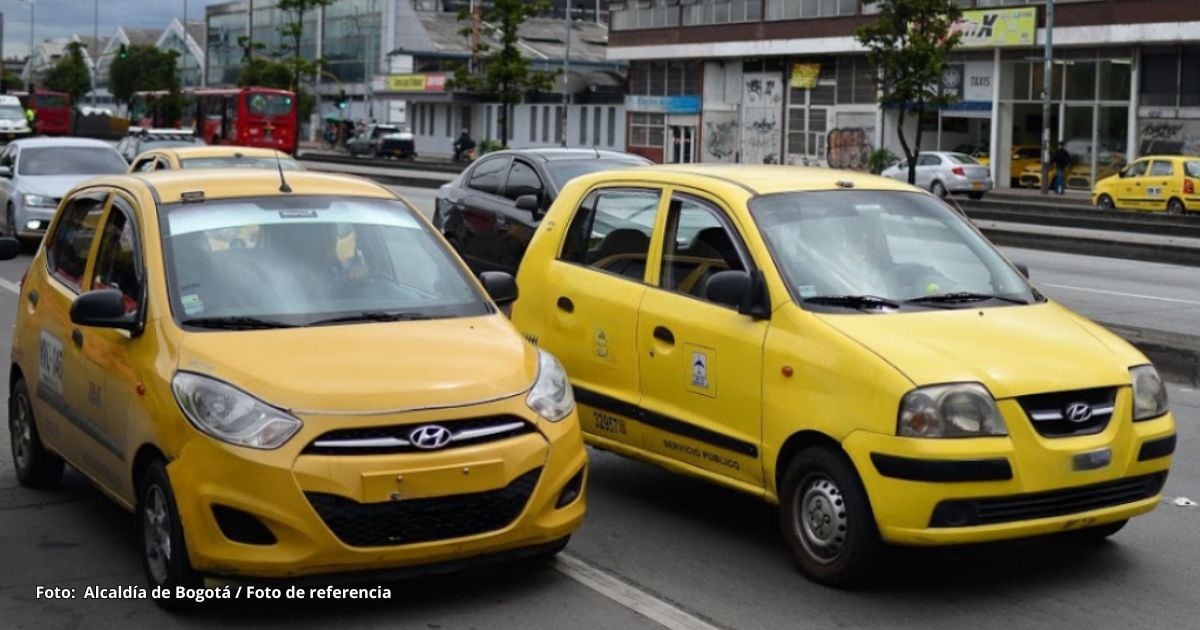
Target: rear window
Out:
[959,158]
[1192,169]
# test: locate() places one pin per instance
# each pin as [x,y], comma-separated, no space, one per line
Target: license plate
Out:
[977,184]
[418,483]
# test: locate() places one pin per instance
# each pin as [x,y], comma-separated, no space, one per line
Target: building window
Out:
[533,123]
[855,81]
[664,78]
[583,126]
[558,124]
[546,124]
[800,9]
[449,121]
[721,12]
[634,14]
[646,130]
[596,122]
[612,126]
[1169,77]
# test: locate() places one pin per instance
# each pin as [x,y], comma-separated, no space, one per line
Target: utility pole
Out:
[1047,90]
[566,95]
[250,31]
[95,46]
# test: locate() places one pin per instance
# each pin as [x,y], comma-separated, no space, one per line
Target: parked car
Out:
[13,122]
[490,211]
[214,156]
[35,173]
[140,139]
[1157,183]
[1079,174]
[1024,156]
[383,141]
[977,150]
[945,173]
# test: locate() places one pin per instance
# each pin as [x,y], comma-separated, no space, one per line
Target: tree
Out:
[70,74]
[293,34]
[503,73]
[908,45]
[144,68]
[266,72]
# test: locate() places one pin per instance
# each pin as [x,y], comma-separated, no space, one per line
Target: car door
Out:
[477,211]
[593,291]
[514,227]
[1158,184]
[701,375]
[60,391]
[927,170]
[1131,191]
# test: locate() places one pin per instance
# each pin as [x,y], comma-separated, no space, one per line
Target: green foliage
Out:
[880,159]
[144,68]
[488,145]
[909,44]
[265,72]
[70,74]
[502,72]
[293,35]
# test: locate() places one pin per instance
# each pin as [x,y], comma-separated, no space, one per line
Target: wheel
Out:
[976,196]
[164,549]
[1106,203]
[827,520]
[939,189]
[36,466]
[1096,534]
[1175,206]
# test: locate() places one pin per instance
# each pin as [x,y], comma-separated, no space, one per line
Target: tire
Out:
[10,222]
[36,467]
[939,189]
[1106,203]
[827,520]
[1176,207]
[1093,535]
[975,196]
[164,548]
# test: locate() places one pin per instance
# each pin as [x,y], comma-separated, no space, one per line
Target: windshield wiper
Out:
[236,323]
[962,296]
[853,301]
[371,316]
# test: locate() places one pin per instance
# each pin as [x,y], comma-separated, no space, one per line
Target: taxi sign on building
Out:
[995,28]
[418,82]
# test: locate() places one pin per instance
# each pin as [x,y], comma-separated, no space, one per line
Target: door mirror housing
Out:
[500,285]
[103,308]
[5,172]
[10,248]
[745,291]
[532,203]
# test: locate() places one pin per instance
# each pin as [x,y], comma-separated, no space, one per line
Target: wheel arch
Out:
[797,443]
[146,454]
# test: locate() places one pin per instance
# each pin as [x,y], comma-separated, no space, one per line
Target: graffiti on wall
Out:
[1160,136]
[762,110]
[848,148]
[720,137]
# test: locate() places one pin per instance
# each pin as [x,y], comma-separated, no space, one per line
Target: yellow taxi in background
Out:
[846,346]
[271,410]
[214,156]
[1157,183]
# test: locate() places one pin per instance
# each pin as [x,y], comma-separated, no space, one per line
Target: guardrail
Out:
[440,166]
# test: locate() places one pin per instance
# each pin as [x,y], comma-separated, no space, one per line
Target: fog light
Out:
[241,527]
[571,491]
[33,224]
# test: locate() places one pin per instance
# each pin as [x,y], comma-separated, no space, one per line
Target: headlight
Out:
[1149,393]
[38,201]
[231,415]
[950,411]
[551,396]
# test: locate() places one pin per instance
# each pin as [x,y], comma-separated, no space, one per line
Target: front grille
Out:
[397,438]
[411,521]
[1052,415]
[1031,181]
[1024,507]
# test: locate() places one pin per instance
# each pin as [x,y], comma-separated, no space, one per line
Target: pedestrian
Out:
[1062,161]
[464,146]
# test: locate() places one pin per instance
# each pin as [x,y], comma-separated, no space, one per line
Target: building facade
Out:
[785,81]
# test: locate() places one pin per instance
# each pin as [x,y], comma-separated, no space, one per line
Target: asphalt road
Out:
[657,550]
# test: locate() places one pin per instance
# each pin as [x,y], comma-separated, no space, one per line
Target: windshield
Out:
[12,112]
[269,104]
[67,160]
[564,171]
[230,161]
[896,246]
[299,261]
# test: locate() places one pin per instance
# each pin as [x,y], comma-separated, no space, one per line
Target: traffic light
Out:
[341,99]
[122,53]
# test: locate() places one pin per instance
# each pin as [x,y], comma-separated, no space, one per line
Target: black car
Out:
[490,211]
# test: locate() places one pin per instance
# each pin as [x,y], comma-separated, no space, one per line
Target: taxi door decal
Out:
[50,363]
[701,377]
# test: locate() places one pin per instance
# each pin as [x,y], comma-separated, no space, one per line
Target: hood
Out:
[375,367]
[55,186]
[1014,351]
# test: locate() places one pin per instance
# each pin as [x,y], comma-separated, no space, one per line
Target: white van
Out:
[13,123]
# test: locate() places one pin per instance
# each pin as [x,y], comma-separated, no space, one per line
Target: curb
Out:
[1175,355]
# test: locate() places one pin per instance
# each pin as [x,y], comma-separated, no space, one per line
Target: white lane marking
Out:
[663,612]
[1119,293]
[11,286]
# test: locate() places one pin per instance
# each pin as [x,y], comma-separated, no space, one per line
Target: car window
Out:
[67,252]
[144,164]
[8,157]
[233,161]
[118,265]
[488,175]
[928,160]
[563,171]
[1162,168]
[1137,169]
[162,164]
[698,244]
[611,231]
[522,180]
[1191,168]
[69,160]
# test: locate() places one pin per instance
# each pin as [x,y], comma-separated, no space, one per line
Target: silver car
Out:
[946,172]
[35,173]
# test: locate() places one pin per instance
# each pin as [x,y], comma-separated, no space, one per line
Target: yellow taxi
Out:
[1024,156]
[215,156]
[845,346]
[269,409]
[1157,183]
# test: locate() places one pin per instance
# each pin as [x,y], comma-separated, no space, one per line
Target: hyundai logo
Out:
[429,437]
[1078,412]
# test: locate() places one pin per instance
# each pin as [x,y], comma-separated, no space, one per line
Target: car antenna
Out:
[597,151]
[283,185]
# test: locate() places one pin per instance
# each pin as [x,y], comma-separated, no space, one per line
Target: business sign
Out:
[804,75]
[432,82]
[997,28]
[971,81]
[688,104]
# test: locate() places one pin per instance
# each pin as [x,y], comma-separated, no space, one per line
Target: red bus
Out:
[52,111]
[249,117]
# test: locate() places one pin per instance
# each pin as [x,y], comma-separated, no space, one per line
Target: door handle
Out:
[77,337]
[33,297]
[664,335]
[565,305]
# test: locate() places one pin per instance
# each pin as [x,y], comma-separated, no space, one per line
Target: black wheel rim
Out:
[156,533]
[20,428]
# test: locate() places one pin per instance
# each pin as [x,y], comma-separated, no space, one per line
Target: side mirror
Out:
[745,291]
[10,248]
[1023,269]
[530,203]
[5,171]
[102,308]
[500,286]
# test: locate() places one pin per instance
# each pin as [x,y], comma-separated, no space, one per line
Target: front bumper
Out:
[26,214]
[947,491]
[301,499]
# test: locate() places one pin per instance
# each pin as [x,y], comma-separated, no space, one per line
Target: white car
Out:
[35,173]
[13,123]
[946,172]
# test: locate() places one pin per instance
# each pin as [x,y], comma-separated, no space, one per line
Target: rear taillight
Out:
[960,171]
[1189,187]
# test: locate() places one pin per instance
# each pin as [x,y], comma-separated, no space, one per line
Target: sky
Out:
[61,18]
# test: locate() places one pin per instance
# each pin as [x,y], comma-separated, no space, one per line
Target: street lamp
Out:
[566,95]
